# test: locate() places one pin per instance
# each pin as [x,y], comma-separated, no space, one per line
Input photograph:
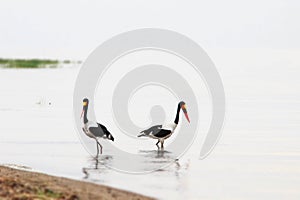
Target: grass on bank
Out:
[32,63]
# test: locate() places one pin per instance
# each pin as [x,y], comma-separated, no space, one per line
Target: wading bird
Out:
[161,132]
[93,129]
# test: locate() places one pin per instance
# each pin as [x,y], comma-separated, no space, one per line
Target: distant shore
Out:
[27,185]
[34,63]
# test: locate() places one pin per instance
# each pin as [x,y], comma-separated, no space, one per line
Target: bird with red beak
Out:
[162,132]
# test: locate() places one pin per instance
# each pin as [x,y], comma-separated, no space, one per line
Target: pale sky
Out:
[72,29]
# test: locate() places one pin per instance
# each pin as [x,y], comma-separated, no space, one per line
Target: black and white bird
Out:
[93,129]
[162,132]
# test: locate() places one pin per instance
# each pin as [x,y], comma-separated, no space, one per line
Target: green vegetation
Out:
[31,63]
[27,63]
[48,194]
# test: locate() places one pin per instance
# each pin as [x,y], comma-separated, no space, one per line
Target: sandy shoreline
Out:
[21,184]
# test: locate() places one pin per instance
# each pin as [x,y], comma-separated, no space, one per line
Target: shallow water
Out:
[257,157]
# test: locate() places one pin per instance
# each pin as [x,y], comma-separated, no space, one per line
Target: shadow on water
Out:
[147,159]
[97,165]
[157,158]
[169,178]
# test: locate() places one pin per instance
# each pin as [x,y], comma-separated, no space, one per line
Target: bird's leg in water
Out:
[97,148]
[100,148]
[96,165]
[162,144]
[157,143]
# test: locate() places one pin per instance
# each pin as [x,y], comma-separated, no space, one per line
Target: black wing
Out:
[153,130]
[162,133]
[103,128]
[99,131]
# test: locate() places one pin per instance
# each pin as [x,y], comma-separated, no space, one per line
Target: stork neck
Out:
[177,115]
[85,119]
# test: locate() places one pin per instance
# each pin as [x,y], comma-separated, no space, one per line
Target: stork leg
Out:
[162,143]
[98,145]
[100,148]
[157,143]
[97,148]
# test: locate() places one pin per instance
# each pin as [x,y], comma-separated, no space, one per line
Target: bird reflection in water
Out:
[164,161]
[94,165]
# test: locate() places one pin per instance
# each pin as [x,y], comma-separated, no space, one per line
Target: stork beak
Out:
[187,117]
[81,113]
[185,112]
[84,105]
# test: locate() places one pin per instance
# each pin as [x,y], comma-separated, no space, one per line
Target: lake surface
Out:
[258,156]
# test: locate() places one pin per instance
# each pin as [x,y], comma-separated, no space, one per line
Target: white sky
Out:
[72,29]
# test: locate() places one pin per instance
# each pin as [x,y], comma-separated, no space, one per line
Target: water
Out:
[257,157]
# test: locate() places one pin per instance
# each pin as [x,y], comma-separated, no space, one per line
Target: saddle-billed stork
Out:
[93,129]
[162,132]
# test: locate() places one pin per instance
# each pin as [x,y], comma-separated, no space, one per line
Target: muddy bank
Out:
[26,185]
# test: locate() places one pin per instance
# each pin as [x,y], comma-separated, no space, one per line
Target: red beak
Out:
[81,113]
[187,117]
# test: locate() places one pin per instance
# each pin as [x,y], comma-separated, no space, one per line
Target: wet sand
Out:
[22,184]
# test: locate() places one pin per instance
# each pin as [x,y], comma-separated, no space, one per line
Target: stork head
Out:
[85,104]
[183,108]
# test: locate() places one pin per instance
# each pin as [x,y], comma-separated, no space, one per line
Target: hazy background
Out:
[72,29]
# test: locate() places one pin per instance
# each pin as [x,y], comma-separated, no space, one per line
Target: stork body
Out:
[163,132]
[93,129]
